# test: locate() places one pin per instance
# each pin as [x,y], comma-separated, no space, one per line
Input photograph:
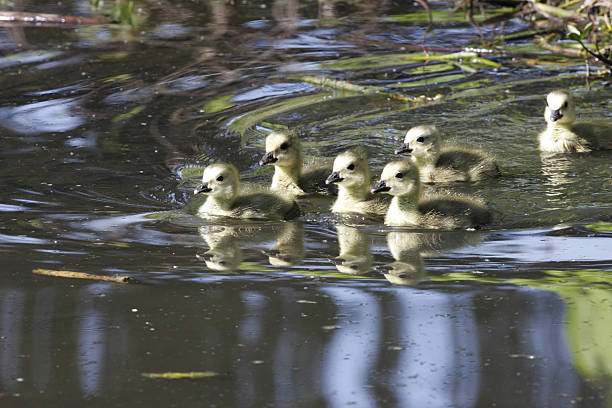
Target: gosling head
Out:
[282,149]
[350,169]
[560,107]
[420,141]
[399,178]
[221,181]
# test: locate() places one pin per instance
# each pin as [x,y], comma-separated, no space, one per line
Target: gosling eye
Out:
[220,178]
[350,167]
[399,175]
[420,139]
[565,104]
[284,146]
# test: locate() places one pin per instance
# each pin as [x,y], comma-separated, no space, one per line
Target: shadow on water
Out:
[105,128]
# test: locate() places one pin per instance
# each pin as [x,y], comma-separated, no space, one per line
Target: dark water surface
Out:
[102,125]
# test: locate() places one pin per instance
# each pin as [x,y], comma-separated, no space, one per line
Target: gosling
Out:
[351,173]
[563,134]
[442,165]
[284,151]
[407,209]
[221,184]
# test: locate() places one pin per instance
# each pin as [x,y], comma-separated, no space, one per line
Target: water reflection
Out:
[55,115]
[409,247]
[224,242]
[588,323]
[289,249]
[408,268]
[444,359]
[350,356]
[559,171]
[223,254]
[92,344]
[355,256]
[402,346]
[12,304]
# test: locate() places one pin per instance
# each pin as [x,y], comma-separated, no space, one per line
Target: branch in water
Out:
[82,275]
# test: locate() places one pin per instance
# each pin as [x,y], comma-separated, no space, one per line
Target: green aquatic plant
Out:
[466,58]
[575,34]
[601,226]
[218,104]
[129,114]
[126,12]
[250,119]
[444,16]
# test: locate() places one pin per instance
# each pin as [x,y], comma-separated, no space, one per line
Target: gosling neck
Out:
[287,173]
[353,193]
[427,158]
[403,209]
[557,128]
[410,200]
[287,177]
[216,205]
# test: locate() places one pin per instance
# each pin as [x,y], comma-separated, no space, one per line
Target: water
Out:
[101,127]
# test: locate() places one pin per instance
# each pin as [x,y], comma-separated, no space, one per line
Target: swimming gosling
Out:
[351,173]
[407,209]
[221,183]
[442,165]
[563,134]
[284,151]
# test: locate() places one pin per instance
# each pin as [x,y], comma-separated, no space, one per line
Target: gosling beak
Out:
[267,158]
[333,178]
[336,261]
[206,256]
[202,188]
[405,148]
[380,186]
[383,268]
[555,115]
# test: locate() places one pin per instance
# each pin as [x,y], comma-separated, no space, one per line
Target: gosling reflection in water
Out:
[355,256]
[559,170]
[224,254]
[289,249]
[408,249]
[408,268]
